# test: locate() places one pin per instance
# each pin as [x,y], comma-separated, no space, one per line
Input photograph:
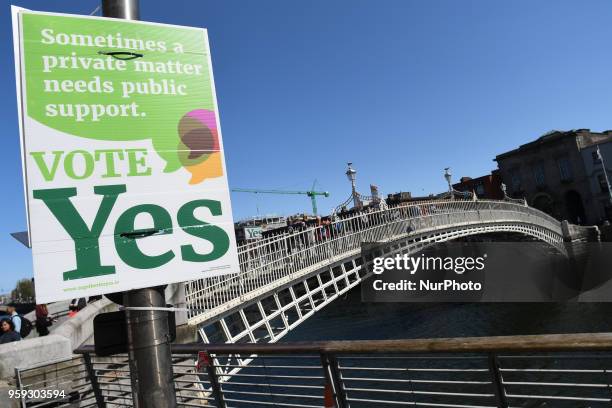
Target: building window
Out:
[603,185]
[515,180]
[480,189]
[606,209]
[538,175]
[565,170]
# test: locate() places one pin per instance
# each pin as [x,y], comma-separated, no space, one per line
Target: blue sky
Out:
[401,88]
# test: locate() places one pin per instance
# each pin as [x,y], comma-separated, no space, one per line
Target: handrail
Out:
[495,344]
[473,372]
[472,205]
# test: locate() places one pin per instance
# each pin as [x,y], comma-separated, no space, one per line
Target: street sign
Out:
[122,153]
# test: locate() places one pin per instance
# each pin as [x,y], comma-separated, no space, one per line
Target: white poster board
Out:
[126,184]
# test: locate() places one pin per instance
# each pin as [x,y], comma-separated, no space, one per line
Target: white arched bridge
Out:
[285,279]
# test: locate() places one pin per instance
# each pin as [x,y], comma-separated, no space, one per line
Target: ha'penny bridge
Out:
[287,278]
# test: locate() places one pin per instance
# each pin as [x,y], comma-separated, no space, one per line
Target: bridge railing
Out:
[285,256]
[561,371]
[569,370]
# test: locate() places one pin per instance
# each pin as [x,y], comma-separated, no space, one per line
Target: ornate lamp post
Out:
[351,174]
[448,176]
[504,189]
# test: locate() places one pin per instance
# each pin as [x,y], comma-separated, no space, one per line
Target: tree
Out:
[24,289]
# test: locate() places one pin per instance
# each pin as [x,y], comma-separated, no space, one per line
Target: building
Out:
[594,167]
[485,187]
[556,174]
[406,197]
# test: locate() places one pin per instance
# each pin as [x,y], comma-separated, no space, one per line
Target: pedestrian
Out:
[9,334]
[15,318]
[73,305]
[43,321]
[81,303]
[319,229]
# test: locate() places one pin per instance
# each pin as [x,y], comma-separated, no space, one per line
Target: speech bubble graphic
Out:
[199,148]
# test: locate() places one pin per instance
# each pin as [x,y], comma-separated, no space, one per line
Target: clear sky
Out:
[401,88]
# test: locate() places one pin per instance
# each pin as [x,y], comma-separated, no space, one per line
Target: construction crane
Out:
[310,193]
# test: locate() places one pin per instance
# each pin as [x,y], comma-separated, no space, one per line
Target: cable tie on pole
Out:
[161,309]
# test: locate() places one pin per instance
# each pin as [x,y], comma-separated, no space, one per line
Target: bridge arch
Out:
[287,278]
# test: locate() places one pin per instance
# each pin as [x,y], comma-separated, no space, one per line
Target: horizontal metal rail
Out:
[566,370]
[550,370]
[499,344]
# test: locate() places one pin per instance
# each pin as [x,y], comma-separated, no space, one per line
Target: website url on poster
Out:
[91,286]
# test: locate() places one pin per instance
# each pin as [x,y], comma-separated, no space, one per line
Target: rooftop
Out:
[584,138]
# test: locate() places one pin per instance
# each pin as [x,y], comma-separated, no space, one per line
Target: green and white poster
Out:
[126,185]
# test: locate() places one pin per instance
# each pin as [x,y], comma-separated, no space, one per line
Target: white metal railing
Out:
[271,260]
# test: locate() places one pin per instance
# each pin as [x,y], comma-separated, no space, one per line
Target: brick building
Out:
[485,187]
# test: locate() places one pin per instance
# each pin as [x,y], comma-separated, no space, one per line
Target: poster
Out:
[126,183]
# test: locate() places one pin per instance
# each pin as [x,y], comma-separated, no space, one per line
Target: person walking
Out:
[76,305]
[81,303]
[43,321]
[9,334]
[72,307]
[15,318]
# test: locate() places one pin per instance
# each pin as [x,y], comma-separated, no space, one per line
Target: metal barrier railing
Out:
[570,370]
[61,382]
[275,258]
[88,380]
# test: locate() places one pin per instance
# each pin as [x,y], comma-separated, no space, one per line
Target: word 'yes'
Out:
[86,239]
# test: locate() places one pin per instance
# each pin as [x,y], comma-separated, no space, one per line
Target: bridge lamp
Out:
[504,189]
[351,174]
[448,176]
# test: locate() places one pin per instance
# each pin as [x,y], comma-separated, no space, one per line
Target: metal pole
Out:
[149,349]
[333,378]
[448,177]
[91,373]
[148,332]
[497,381]
[211,370]
[126,9]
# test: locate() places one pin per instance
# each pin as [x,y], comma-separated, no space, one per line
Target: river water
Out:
[349,318]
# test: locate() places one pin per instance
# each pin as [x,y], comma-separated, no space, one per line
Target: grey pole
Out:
[352,175]
[126,9]
[148,332]
[149,349]
[448,176]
